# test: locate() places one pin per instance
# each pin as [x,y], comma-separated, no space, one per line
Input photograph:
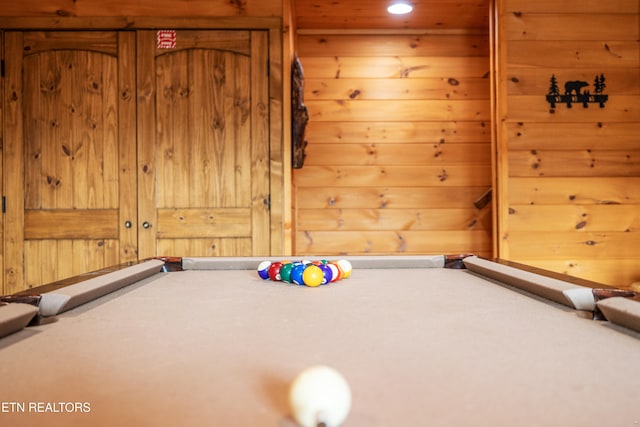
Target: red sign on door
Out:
[166,39]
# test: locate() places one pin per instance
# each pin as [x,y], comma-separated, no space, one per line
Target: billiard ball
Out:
[285,272]
[274,271]
[346,268]
[296,273]
[320,395]
[312,276]
[337,272]
[263,269]
[327,272]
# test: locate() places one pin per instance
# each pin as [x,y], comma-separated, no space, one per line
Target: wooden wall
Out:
[142,8]
[569,178]
[269,15]
[398,144]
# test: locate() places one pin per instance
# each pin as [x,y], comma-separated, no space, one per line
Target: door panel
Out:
[117,150]
[70,162]
[203,149]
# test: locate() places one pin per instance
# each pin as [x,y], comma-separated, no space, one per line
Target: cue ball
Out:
[320,394]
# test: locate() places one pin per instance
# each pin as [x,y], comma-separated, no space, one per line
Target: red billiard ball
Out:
[274,271]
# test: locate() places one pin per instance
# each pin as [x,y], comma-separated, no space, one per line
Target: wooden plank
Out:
[127,171]
[209,222]
[572,163]
[44,266]
[96,41]
[574,136]
[279,155]
[35,102]
[173,114]
[392,242]
[536,81]
[232,41]
[145,132]
[13,153]
[145,22]
[537,109]
[449,132]
[571,217]
[586,6]
[574,190]
[381,176]
[399,110]
[381,89]
[71,224]
[371,45]
[2,138]
[397,154]
[578,54]
[326,197]
[355,15]
[259,156]
[388,219]
[211,247]
[395,67]
[617,272]
[571,245]
[158,8]
[573,26]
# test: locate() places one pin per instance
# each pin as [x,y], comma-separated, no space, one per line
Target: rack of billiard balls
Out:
[308,273]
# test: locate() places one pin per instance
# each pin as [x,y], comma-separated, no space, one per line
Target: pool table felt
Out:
[432,347]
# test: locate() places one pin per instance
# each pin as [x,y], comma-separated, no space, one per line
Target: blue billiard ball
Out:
[296,273]
[263,270]
[328,273]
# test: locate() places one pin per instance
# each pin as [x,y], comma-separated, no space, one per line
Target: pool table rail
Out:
[605,302]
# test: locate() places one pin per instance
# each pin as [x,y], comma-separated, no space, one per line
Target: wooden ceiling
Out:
[372,15]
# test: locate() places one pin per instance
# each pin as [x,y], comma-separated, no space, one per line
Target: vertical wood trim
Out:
[14,175]
[278,164]
[2,57]
[501,148]
[146,125]
[260,229]
[288,49]
[128,209]
[493,34]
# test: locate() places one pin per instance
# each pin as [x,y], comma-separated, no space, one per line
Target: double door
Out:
[123,145]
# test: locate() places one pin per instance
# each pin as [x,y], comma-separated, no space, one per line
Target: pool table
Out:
[421,340]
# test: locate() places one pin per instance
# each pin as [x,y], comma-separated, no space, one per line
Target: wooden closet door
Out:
[203,133]
[69,174]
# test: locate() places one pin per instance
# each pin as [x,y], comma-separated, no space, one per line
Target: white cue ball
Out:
[320,394]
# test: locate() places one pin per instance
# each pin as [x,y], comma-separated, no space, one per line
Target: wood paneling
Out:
[398,145]
[69,158]
[150,8]
[568,199]
[372,14]
[204,143]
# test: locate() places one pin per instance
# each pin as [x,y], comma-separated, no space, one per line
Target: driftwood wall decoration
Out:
[574,93]
[299,112]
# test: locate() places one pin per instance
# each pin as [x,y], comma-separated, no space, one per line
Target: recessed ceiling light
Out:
[399,8]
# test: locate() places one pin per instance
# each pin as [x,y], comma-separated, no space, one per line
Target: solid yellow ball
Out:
[312,276]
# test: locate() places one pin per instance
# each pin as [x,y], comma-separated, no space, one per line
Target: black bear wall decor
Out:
[574,93]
